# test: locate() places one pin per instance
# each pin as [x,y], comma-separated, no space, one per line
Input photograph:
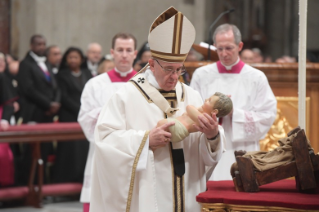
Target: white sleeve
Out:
[211,151]
[89,111]
[253,125]
[195,81]
[142,162]
[117,151]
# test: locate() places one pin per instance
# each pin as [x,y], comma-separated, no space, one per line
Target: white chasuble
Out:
[96,93]
[121,135]
[254,112]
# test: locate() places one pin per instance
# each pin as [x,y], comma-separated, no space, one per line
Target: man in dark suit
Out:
[93,57]
[37,84]
[54,56]
[38,88]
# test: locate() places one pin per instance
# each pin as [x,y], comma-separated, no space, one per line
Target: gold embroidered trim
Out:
[183,93]
[139,151]
[173,103]
[178,188]
[183,193]
[169,95]
[148,99]
[163,17]
[168,54]
[173,176]
[142,70]
[177,37]
[169,58]
[246,208]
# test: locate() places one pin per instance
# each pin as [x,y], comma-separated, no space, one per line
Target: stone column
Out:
[5,26]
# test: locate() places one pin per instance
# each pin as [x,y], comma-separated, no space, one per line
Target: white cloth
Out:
[229,67]
[40,61]
[92,67]
[123,74]
[96,93]
[55,70]
[120,136]
[254,104]
[151,79]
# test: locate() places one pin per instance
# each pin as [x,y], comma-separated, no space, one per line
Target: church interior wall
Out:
[79,22]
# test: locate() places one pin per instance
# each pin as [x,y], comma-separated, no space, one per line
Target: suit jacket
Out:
[36,90]
[6,98]
[9,94]
[71,91]
[84,65]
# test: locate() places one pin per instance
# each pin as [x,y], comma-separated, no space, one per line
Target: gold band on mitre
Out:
[171,36]
[172,58]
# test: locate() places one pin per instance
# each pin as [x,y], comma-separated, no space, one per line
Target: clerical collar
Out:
[93,67]
[123,74]
[235,68]
[230,67]
[37,58]
[92,64]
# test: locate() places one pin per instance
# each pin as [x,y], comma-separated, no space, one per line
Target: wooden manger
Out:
[304,167]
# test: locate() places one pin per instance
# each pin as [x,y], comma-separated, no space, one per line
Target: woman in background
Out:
[142,57]
[71,78]
[7,109]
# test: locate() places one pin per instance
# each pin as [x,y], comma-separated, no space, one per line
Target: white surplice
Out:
[254,109]
[96,93]
[121,136]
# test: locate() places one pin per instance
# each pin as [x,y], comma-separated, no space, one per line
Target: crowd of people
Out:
[255,55]
[48,86]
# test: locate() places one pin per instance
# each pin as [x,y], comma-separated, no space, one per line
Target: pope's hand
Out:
[207,125]
[159,136]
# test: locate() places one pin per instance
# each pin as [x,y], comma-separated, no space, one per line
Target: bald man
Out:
[94,55]
[247,56]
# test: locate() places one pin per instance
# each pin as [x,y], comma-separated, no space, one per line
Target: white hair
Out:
[93,44]
[225,28]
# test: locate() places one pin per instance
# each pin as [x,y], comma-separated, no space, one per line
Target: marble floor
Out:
[74,206]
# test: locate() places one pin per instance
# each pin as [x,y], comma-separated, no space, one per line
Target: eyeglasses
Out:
[227,48]
[169,71]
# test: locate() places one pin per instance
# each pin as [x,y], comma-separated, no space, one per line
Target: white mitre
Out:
[171,36]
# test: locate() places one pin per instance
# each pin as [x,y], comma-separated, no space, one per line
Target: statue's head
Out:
[223,104]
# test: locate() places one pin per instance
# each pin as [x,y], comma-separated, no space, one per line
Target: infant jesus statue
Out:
[219,103]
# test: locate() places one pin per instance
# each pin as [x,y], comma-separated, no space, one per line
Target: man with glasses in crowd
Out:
[97,92]
[135,163]
[254,104]
[93,57]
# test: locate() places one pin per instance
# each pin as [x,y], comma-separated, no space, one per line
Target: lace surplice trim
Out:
[249,125]
[139,151]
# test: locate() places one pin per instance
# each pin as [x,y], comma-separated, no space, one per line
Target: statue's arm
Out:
[193,113]
[161,122]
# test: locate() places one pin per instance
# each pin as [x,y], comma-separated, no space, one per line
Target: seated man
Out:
[219,103]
